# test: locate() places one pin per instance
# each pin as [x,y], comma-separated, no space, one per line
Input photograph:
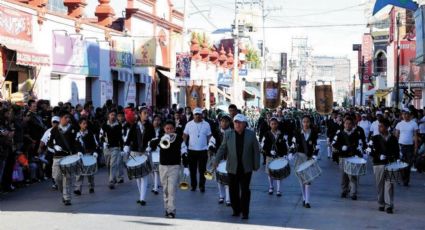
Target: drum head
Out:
[88,160]
[138,160]
[278,164]
[356,160]
[69,160]
[395,166]
[222,167]
[305,165]
[155,156]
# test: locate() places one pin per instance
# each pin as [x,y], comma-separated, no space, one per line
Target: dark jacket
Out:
[172,155]
[112,135]
[389,148]
[349,140]
[137,138]
[307,146]
[277,144]
[87,142]
[65,139]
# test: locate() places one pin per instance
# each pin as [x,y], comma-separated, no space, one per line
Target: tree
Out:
[253,58]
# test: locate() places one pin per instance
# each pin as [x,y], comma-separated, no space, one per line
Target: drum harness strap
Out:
[381,142]
[65,142]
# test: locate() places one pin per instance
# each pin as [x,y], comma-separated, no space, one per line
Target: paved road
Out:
[38,207]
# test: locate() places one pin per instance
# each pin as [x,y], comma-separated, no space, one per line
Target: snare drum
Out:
[155,160]
[70,166]
[392,171]
[138,167]
[89,165]
[279,169]
[355,166]
[308,171]
[221,174]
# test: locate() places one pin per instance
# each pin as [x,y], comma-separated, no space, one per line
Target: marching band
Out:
[188,145]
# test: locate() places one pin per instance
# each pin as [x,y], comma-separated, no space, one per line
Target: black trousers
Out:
[240,195]
[197,162]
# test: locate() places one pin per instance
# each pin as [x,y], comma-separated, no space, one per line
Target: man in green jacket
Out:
[243,156]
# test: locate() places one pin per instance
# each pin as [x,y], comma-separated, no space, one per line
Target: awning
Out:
[382,92]
[27,56]
[145,79]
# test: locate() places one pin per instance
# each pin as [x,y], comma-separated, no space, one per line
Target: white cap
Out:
[239,117]
[378,112]
[197,111]
[406,110]
[56,119]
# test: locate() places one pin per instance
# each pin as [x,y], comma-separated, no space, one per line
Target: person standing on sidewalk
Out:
[384,150]
[111,136]
[243,156]
[407,133]
[199,133]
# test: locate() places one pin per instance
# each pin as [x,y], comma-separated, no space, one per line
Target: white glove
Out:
[57,148]
[290,157]
[123,154]
[382,157]
[314,157]
[368,150]
[80,154]
[95,155]
[126,149]
[344,148]
[148,149]
[401,155]
[273,153]
[186,172]
[285,137]
[105,145]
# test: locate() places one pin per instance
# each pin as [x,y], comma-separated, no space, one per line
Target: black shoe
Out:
[354,197]
[202,190]
[278,194]
[390,210]
[142,202]
[166,213]
[155,191]
[270,191]
[171,215]
[236,214]
[381,209]
[77,192]
[111,186]
[54,187]
[228,204]
[344,195]
[67,202]
[245,217]
[193,189]
[138,201]
[120,181]
[303,203]
[91,190]
[221,200]
[307,205]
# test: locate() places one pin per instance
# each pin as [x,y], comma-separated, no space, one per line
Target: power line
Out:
[207,19]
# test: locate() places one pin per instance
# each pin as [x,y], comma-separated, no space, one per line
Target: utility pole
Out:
[397,70]
[237,96]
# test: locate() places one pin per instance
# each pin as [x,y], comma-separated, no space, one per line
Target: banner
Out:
[145,51]
[271,94]
[183,66]
[120,55]
[93,52]
[324,99]
[367,53]
[69,55]
[406,4]
[195,96]
[15,26]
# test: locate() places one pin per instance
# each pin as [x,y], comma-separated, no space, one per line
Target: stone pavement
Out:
[38,207]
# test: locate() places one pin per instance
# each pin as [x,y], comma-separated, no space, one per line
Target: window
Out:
[57,6]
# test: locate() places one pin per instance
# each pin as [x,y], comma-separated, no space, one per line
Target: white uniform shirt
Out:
[422,126]
[46,136]
[374,129]
[198,135]
[365,125]
[407,131]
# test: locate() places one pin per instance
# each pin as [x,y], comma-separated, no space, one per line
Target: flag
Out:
[406,4]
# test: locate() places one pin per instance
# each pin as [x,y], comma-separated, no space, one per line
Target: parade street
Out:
[38,207]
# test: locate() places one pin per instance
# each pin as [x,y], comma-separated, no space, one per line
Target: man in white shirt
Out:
[374,129]
[407,133]
[365,125]
[199,133]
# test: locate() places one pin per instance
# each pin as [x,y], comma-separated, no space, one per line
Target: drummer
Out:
[87,144]
[62,140]
[137,141]
[346,145]
[384,150]
[214,144]
[158,132]
[307,148]
[274,146]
